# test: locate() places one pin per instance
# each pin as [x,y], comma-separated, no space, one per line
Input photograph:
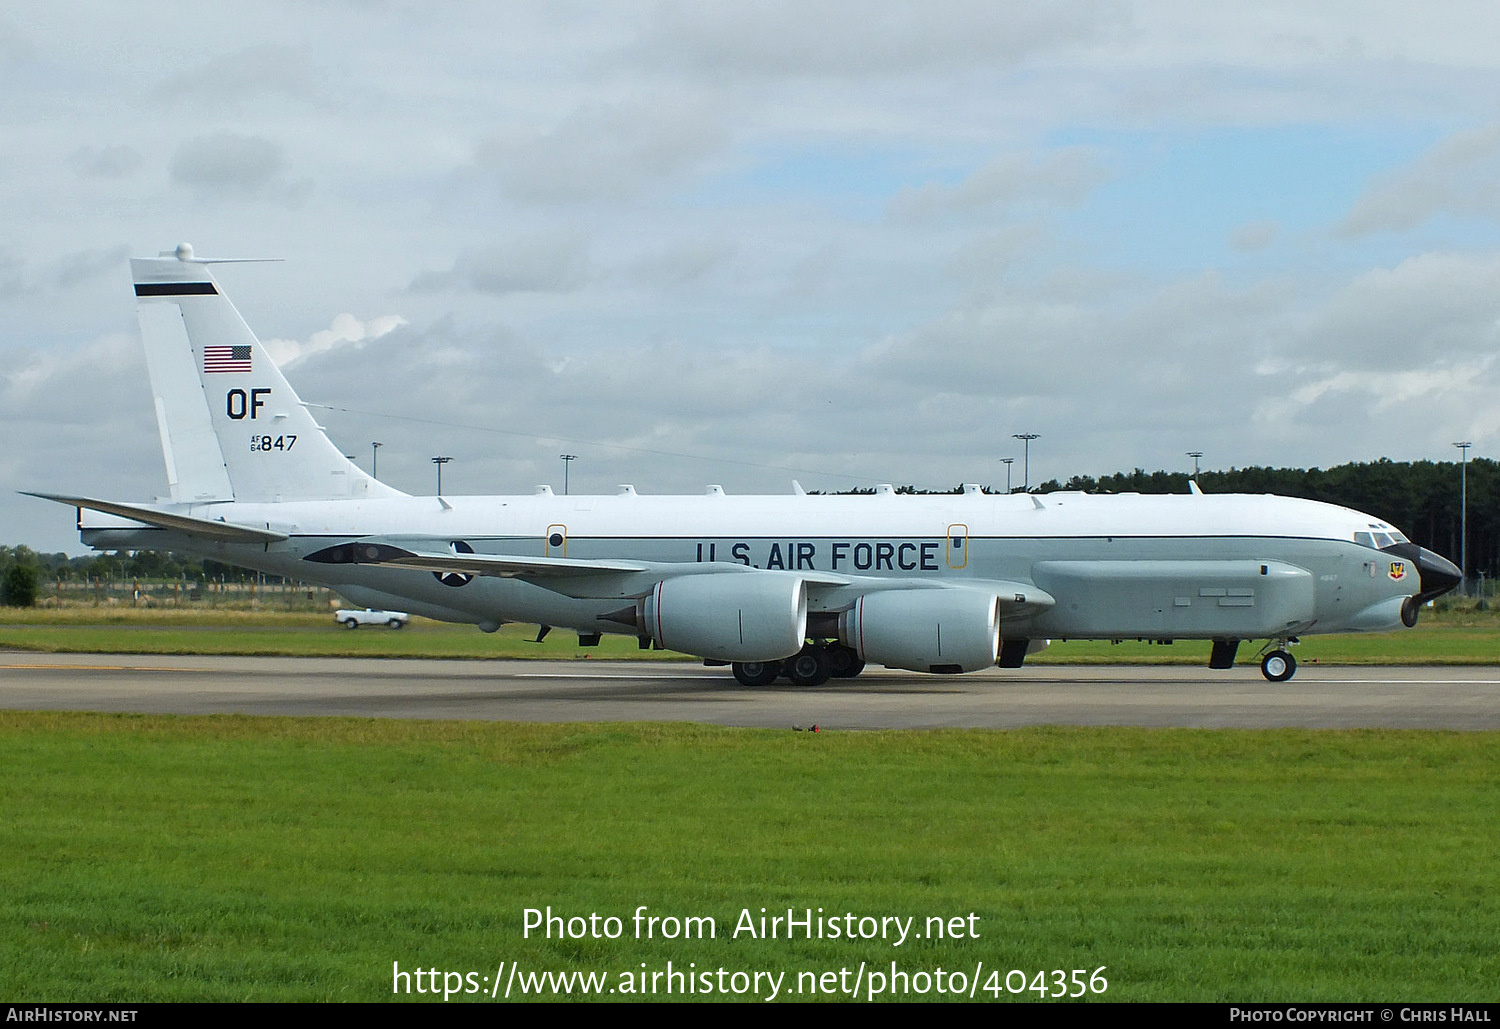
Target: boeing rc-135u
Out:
[805,586]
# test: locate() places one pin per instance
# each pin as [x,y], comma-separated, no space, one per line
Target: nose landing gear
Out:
[1278,666]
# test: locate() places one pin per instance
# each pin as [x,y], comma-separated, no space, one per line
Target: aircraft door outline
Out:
[956,546]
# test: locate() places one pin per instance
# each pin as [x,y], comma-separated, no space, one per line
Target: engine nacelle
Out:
[755,616]
[939,630]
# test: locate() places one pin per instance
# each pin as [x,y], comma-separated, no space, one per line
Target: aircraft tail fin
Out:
[232,428]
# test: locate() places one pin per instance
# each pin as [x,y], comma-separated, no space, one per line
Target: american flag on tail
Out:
[226,359]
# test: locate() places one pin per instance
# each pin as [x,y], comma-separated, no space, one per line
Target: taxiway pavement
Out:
[1465,698]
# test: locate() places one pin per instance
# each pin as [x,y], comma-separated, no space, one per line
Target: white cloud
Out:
[602,151]
[105,162]
[65,272]
[242,76]
[1062,177]
[1426,307]
[346,331]
[1460,175]
[557,263]
[233,166]
[15,48]
[832,38]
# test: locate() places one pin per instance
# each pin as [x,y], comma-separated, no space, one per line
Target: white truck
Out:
[355,617]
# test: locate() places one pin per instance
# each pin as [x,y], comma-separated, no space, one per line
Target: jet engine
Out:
[941,630]
[728,616]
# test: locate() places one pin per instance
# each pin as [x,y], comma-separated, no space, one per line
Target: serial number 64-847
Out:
[272,442]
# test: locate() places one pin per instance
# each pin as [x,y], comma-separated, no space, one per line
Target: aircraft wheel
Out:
[1278,666]
[844,662]
[808,667]
[756,673]
[394,623]
[1410,608]
[350,623]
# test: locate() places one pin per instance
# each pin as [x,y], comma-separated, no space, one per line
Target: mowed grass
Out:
[1453,637]
[232,858]
[207,631]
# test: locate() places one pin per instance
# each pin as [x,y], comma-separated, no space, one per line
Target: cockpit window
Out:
[1381,539]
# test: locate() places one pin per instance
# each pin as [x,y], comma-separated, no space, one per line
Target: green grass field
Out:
[1451,636]
[232,858]
[159,858]
[207,631]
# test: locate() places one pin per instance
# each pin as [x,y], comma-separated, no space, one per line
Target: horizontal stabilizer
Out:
[205,527]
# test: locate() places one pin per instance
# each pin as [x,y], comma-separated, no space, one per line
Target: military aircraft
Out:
[800,585]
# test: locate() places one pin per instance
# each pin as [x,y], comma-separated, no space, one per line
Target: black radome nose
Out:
[1439,575]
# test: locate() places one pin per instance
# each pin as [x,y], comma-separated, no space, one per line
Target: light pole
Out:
[375,460]
[440,461]
[1007,462]
[1195,454]
[567,459]
[1026,438]
[1463,517]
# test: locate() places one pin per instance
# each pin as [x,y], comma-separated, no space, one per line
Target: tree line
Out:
[115,565]
[1421,498]
[23,570]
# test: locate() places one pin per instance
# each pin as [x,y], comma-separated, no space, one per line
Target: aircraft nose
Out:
[1438,574]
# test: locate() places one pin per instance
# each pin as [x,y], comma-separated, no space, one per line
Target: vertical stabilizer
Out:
[232,428]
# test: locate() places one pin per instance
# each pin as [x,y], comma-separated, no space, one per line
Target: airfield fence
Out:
[188,593]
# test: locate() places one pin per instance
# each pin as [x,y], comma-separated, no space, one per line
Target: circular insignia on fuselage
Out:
[456,578]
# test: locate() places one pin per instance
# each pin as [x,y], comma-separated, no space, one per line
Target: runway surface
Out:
[587,691]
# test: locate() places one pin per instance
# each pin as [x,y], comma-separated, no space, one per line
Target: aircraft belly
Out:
[1175,599]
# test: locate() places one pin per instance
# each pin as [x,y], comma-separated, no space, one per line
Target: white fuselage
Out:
[1160,567]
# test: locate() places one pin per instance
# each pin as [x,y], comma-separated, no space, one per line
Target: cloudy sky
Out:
[843,241]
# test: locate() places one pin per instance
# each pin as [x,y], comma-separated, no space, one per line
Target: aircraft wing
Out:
[1014,596]
[502,565]
[513,566]
[209,528]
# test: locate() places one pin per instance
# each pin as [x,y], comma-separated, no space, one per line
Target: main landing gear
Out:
[813,665]
[756,673]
